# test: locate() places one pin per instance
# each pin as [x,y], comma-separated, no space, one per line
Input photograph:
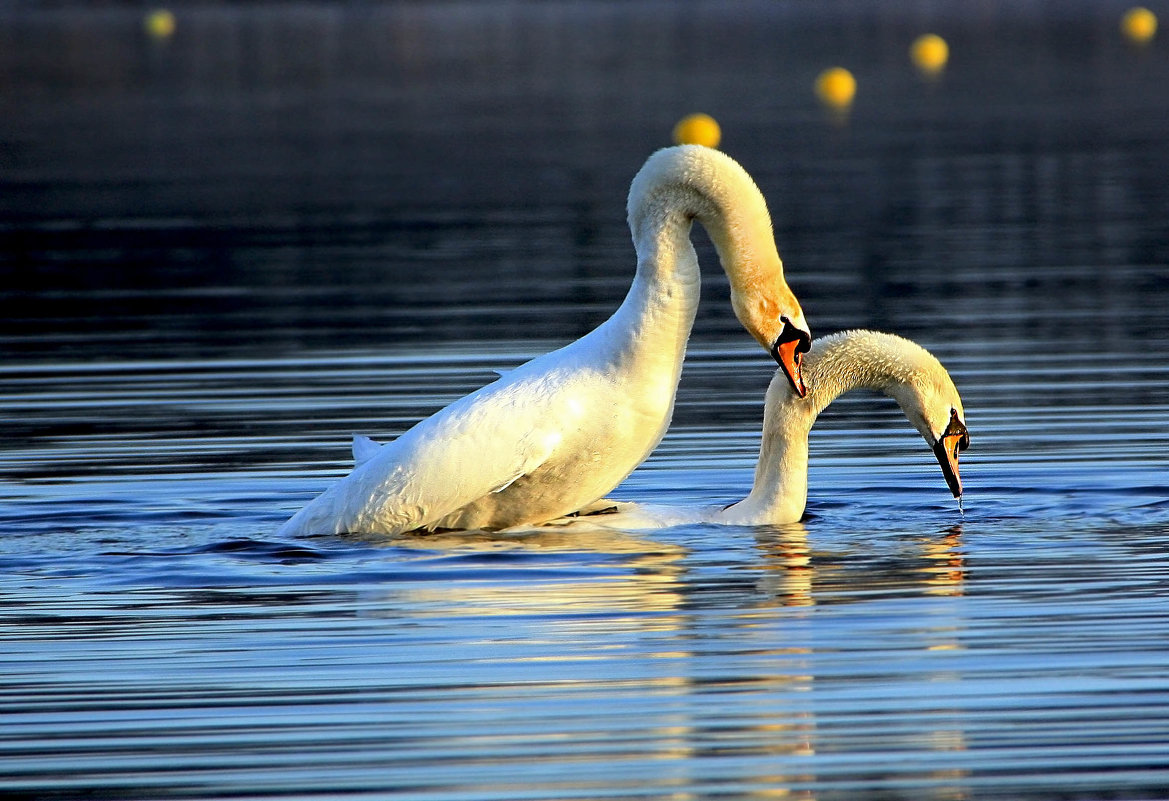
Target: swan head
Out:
[954,438]
[931,402]
[929,399]
[788,351]
[777,322]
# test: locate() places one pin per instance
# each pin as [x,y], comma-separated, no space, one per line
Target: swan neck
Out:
[780,490]
[858,360]
[680,185]
[835,365]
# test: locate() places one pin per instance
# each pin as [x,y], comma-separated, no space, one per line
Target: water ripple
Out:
[226,253]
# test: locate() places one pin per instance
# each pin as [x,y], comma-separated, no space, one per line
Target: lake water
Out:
[225,253]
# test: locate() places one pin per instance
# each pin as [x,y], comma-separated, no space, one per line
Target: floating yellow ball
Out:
[697,129]
[929,53]
[836,88]
[159,24]
[1139,25]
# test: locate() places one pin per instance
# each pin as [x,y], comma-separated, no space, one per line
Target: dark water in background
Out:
[225,253]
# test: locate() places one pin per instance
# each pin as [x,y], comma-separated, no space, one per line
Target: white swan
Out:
[560,431]
[835,364]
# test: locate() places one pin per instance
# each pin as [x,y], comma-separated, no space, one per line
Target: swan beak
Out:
[954,440]
[789,352]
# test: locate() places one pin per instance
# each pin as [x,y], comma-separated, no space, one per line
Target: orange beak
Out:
[954,440]
[788,351]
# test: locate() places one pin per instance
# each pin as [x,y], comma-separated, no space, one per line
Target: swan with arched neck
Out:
[567,427]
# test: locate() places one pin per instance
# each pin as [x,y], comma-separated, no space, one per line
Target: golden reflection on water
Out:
[646,577]
[797,576]
[544,539]
[790,575]
[643,588]
[945,571]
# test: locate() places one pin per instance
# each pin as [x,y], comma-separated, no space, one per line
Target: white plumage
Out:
[835,364]
[560,431]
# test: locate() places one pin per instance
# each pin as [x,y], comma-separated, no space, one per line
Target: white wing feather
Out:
[480,444]
[364,449]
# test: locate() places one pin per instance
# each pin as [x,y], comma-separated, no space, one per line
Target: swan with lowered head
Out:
[835,364]
[560,431]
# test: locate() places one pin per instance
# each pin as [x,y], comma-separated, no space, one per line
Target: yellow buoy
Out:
[1138,24]
[836,88]
[929,53]
[697,129]
[159,24]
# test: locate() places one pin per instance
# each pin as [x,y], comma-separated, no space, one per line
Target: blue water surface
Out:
[227,252]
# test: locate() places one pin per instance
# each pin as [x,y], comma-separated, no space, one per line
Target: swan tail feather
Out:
[364,449]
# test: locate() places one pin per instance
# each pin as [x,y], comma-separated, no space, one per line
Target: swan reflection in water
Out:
[646,574]
[621,609]
[624,613]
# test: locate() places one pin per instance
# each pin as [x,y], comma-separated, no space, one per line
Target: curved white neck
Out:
[675,187]
[835,365]
[681,184]
[780,491]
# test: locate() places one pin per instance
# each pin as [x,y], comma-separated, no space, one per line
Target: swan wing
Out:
[426,478]
[479,445]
